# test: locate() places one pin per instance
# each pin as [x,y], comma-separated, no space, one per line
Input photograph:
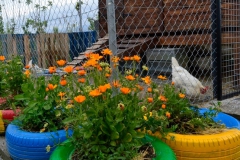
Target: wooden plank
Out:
[9,45]
[185,3]
[26,48]
[188,25]
[15,52]
[120,46]
[94,47]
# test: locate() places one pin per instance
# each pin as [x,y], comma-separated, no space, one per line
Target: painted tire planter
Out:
[220,146]
[7,115]
[163,151]
[23,145]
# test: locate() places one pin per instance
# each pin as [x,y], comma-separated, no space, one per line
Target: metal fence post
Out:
[216,49]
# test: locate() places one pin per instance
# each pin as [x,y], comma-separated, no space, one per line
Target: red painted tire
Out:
[9,114]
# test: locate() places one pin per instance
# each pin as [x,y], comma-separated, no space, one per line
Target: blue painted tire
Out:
[23,145]
[223,118]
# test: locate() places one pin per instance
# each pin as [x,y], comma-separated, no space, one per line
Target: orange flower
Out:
[162,77]
[68,69]
[108,86]
[52,70]
[150,100]
[172,83]
[80,99]
[106,52]
[82,80]
[61,62]
[181,95]
[125,90]
[2,58]
[139,87]
[61,94]
[79,68]
[90,63]
[81,72]
[95,93]
[115,59]
[163,106]
[51,86]
[102,89]
[47,89]
[63,82]
[147,80]
[99,68]
[126,58]
[168,115]
[27,73]
[107,75]
[136,58]
[149,90]
[116,84]
[95,56]
[162,98]
[130,78]
[27,66]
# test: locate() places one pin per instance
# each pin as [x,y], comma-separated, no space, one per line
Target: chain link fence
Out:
[202,35]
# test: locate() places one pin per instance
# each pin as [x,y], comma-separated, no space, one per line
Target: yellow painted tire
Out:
[2,127]
[221,146]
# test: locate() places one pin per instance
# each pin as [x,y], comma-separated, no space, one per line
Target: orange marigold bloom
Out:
[78,68]
[27,73]
[80,99]
[68,69]
[162,98]
[99,68]
[116,84]
[63,82]
[162,77]
[61,62]
[90,63]
[149,90]
[52,70]
[163,106]
[150,100]
[108,86]
[47,89]
[147,80]
[2,58]
[61,94]
[139,87]
[27,66]
[136,58]
[82,80]
[51,86]
[95,93]
[115,59]
[125,90]
[126,58]
[106,52]
[107,75]
[95,56]
[102,89]
[81,72]
[172,83]
[168,115]
[130,78]
[181,95]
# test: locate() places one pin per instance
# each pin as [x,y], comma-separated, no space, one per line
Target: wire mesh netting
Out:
[156,30]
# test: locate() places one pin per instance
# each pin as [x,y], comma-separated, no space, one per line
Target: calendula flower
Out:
[163,106]
[172,83]
[168,115]
[147,80]
[63,82]
[130,77]
[139,87]
[52,70]
[51,86]
[27,73]
[95,93]
[181,95]
[80,98]
[108,86]
[116,84]
[145,68]
[27,66]
[144,108]
[162,98]
[106,52]
[126,58]
[150,100]
[61,62]
[115,59]
[162,77]
[68,69]
[69,106]
[95,56]
[78,68]
[149,90]
[90,63]
[120,106]
[61,94]
[145,118]
[125,90]
[136,58]
[107,75]
[48,148]
[2,58]
[82,80]
[102,89]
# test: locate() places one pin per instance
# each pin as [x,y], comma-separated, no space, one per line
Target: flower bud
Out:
[120,106]
[144,108]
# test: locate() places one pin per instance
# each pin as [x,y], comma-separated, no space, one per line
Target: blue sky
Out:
[62,14]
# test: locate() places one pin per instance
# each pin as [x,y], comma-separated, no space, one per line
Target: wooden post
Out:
[14,41]
[26,48]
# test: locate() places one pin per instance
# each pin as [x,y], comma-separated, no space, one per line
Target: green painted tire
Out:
[163,151]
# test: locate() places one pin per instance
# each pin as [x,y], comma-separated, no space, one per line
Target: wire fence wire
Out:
[155,30]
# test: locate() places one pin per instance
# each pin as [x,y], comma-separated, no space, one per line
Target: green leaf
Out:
[69,120]
[127,138]
[139,135]
[20,97]
[114,135]
[120,127]
[104,129]
[87,134]
[47,107]
[119,119]
[113,143]
[109,118]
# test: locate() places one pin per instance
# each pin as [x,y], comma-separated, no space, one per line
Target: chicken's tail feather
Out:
[174,62]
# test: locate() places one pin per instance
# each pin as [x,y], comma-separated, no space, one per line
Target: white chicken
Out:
[185,81]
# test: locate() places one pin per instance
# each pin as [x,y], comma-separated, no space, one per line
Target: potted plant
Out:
[39,124]
[106,110]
